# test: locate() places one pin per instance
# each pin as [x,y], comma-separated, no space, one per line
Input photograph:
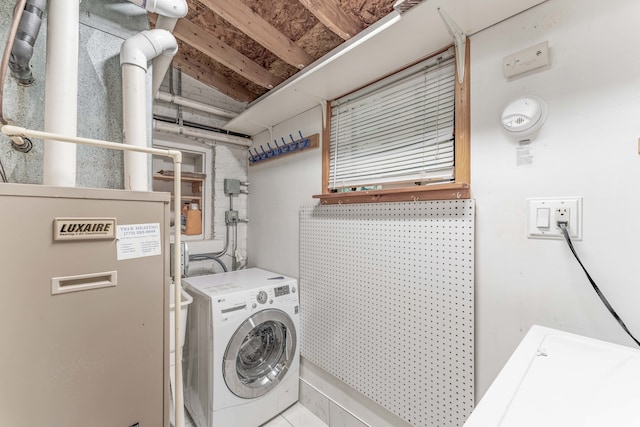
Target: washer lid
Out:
[237,281]
[559,379]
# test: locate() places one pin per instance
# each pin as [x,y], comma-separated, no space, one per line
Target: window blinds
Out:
[400,129]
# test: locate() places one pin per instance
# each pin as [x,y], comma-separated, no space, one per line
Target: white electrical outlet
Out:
[543,216]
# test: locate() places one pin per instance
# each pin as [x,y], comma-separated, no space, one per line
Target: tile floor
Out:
[296,416]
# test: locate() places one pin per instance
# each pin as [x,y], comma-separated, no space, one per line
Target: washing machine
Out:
[241,359]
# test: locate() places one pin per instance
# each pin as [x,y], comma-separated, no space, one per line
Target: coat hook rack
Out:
[283,148]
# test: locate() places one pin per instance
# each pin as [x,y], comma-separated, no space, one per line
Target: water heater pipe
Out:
[199,106]
[61,92]
[176,156]
[200,133]
[135,54]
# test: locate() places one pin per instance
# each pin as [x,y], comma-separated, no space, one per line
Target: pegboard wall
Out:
[386,294]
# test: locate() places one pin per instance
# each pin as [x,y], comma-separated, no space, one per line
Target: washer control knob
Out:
[262,297]
[293,289]
[254,305]
[270,301]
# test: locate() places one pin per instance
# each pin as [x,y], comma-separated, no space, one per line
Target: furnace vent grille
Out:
[387,303]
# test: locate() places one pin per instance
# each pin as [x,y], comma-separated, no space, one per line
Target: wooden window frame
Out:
[460,188]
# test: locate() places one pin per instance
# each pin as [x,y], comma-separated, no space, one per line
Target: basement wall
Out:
[104,25]
[588,148]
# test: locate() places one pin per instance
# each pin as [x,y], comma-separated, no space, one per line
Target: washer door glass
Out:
[259,353]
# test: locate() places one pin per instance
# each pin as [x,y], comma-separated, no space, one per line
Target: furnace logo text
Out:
[84,228]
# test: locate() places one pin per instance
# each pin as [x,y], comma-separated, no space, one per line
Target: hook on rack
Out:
[285,148]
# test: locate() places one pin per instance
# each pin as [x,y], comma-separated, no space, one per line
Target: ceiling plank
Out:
[207,43]
[246,20]
[201,72]
[333,17]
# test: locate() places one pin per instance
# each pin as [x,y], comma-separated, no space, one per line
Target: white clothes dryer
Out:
[241,359]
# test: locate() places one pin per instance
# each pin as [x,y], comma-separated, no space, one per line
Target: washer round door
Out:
[259,353]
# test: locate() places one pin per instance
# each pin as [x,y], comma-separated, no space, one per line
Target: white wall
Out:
[278,188]
[228,161]
[587,148]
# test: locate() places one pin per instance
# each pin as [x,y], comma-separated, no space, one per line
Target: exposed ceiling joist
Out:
[202,40]
[242,17]
[333,17]
[203,73]
[245,48]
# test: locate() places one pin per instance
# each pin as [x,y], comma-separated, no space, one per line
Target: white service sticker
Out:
[138,240]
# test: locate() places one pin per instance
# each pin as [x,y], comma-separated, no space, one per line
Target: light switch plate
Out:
[536,206]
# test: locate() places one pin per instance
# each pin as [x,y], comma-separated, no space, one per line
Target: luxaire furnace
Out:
[84,324]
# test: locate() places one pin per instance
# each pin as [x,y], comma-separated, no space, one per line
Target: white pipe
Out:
[177,265]
[165,46]
[14,131]
[200,133]
[135,54]
[169,12]
[134,110]
[200,106]
[168,8]
[162,63]
[61,91]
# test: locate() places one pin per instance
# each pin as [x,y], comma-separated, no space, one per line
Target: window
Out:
[197,164]
[404,137]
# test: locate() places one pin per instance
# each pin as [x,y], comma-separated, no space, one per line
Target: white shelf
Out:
[386,46]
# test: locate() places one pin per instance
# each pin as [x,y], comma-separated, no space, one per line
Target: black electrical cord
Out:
[565,233]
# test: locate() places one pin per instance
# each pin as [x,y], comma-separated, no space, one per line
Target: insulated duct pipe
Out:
[199,106]
[26,36]
[135,54]
[61,92]
[200,133]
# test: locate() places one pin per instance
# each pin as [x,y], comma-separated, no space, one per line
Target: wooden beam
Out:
[448,191]
[201,72]
[246,20]
[333,17]
[207,43]
[462,130]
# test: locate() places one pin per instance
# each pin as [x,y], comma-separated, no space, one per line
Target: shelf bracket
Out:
[268,127]
[459,39]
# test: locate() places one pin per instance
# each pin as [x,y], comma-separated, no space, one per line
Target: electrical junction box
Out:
[543,216]
[231,186]
[526,60]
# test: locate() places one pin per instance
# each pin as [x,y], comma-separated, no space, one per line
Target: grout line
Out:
[335,403]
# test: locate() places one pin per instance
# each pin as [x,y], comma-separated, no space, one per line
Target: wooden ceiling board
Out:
[290,17]
[333,17]
[319,40]
[251,46]
[207,65]
[244,18]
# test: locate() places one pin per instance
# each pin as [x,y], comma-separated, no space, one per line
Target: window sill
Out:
[449,191]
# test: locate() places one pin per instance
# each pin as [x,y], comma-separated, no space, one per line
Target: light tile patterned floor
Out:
[296,416]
